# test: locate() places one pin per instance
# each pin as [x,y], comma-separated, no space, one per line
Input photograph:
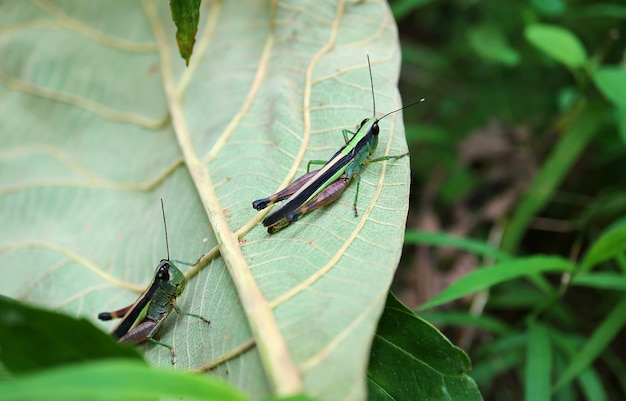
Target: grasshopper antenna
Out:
[374,98]
[403,107]
[167,244]
[369,66]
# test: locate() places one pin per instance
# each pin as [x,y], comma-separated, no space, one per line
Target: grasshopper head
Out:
[370,124]
[170,279]
[371,129]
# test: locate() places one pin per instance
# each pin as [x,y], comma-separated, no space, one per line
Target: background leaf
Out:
[490,43]
[489,276]
[185,14]
[432,368]
[577,136]
[596,344]
[115,380]
[538,363]
[71,341]
[610,245]
[528,160]
[611,82]
[88,149]
[558,43]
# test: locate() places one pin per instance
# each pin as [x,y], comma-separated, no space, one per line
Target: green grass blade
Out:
[538,364]
[505,271]
[558,163]
[591,385]
[567,345]
[601,280]
[453,241]
[610,245]
[598,342]
[465,319]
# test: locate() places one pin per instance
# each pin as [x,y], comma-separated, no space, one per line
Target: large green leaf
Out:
[100,118]
[114,380]
[27,342]
[412,360]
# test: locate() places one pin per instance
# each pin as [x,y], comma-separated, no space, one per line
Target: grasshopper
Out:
[142,320]
[321,187]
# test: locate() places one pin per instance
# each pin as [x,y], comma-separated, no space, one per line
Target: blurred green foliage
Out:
[548,79]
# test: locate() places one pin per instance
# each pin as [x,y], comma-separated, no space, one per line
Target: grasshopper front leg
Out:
[382,159]
[312,162]
[347,134]
[358,176]
[180,312]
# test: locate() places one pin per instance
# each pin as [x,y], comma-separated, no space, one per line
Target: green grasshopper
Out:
[142,320]
[321,187]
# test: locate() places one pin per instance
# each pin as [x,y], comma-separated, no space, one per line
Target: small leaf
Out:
[185,14]
[558,43]
[33,339]
[611,82]
[115,380]
[412,360]
[608,246]
[491,44]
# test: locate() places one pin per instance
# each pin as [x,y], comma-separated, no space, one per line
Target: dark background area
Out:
[496,109]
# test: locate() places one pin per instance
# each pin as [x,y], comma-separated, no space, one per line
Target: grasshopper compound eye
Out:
[164,274]
[375,129]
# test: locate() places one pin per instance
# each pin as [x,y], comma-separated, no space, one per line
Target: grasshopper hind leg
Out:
[326,197]
[104,316]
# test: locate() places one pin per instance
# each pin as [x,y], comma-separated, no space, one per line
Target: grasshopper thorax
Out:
[169,278]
